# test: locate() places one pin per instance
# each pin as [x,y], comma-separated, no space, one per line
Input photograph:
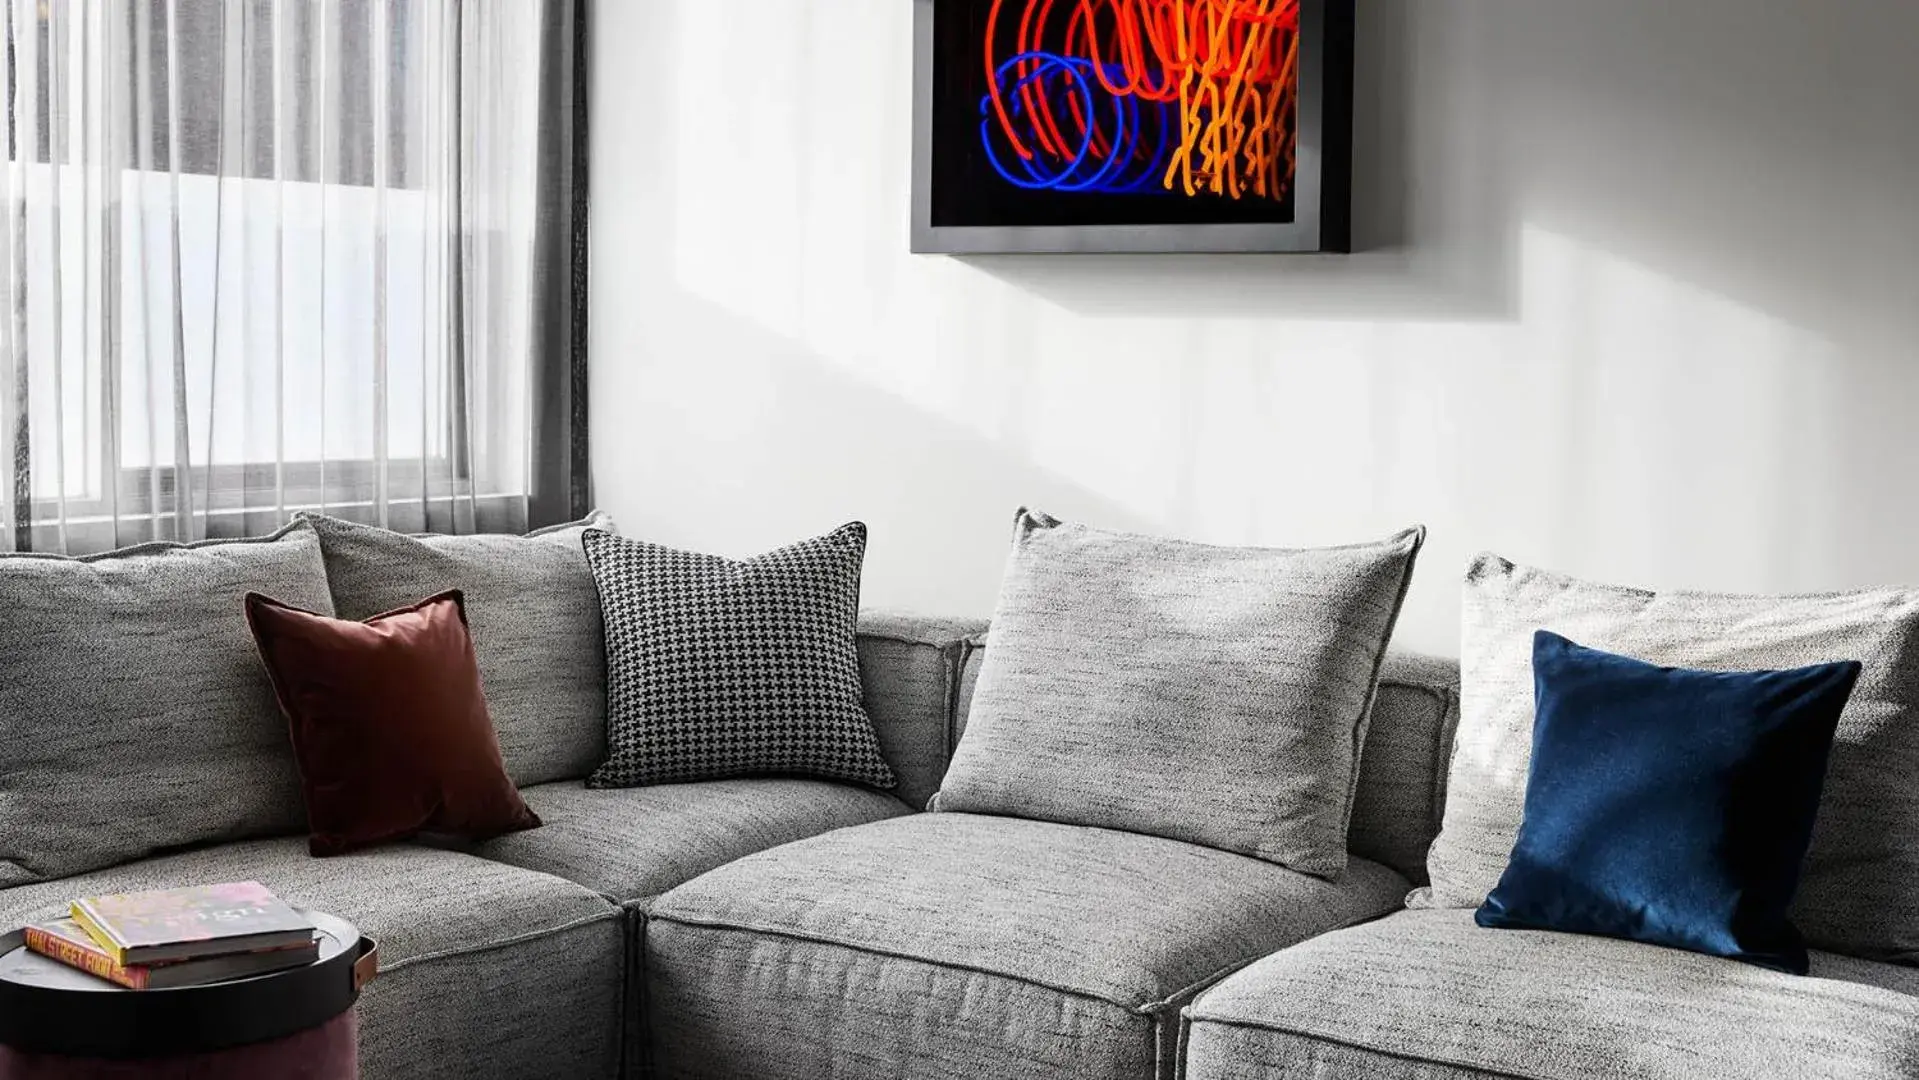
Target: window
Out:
[267,254]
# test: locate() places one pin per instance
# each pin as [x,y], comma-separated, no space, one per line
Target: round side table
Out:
[57,1023]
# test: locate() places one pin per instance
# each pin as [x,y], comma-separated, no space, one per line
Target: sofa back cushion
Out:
[134,712]
[910,668]
[1402,770]
[535,617]
[1860,890]
[1209,694]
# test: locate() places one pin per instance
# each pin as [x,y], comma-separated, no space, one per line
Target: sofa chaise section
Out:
[486,969]
[938,945]
[1429,995]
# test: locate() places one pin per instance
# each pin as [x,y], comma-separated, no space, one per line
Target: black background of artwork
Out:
[968,192]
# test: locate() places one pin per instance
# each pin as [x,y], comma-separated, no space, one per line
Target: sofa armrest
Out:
[910,666]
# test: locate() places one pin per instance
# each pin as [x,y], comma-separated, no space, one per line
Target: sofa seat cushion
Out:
[486,969]
[632,844]
[939,945]
[1427,995]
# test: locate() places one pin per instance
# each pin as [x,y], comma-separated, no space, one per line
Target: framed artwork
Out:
[1132,125]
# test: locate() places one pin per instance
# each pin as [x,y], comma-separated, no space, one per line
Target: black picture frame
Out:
[1321,218]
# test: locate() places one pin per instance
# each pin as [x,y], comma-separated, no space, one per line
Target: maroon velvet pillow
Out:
[389,724]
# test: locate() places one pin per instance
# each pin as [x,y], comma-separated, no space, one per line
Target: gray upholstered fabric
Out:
[972,659]
[535,617]
[1427,995]
[938,945]
[632,844]
[486,969]
[1245,673]
[729,1006]
[909,667]
[1218,1051]
[546,1006]
[134,713]
[1402,772]
[1860,892]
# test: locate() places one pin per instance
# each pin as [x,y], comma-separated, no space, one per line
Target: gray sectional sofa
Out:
[949,944]
[944,945]
[519,957]
[797,928]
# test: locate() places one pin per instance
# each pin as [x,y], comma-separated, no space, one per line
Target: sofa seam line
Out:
[1193,989]
[1439,694]
[501,943]
[1134,1010]
[963,652]
[1327,1040]
[1226,972]
[952,662]
[897,639]
[904,639]
[1160,1051]
[1445,748]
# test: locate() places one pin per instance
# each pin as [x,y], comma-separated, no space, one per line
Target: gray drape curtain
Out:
[560,490]
[272,255]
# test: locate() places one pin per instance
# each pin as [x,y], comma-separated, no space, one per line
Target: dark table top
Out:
[49,1008]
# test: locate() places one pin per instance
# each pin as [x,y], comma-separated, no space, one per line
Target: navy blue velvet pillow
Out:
[1670,806]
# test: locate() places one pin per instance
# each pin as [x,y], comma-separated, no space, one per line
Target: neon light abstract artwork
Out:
[1187,97]
[1078,126]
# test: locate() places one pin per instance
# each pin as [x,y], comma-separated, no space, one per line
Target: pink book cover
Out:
[200,920]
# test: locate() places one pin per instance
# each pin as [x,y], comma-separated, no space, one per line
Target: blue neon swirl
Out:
[1059,80]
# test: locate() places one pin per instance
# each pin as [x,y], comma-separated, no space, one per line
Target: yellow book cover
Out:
[100,938]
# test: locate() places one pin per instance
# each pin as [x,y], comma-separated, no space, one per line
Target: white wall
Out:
[1640,302]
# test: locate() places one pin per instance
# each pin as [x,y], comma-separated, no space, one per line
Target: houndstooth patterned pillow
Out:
[718,668]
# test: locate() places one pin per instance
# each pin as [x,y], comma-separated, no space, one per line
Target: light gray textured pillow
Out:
[535,619]
[134,713]
[1860,891]
[1210,694]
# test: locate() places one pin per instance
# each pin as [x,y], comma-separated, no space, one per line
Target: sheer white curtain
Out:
[271,255]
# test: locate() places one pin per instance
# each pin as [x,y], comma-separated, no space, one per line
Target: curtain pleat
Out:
[15,456]
[558,275]
[22,141]
[273,255]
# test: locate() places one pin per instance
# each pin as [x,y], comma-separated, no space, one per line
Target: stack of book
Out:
[170,938]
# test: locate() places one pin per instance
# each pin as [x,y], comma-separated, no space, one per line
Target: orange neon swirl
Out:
[1226,71]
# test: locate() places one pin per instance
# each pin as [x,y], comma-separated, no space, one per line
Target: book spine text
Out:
[94,963]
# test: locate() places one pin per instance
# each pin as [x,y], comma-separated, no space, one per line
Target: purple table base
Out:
[328,1052]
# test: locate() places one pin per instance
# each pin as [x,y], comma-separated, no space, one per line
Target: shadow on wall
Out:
[717,427]
[801,446]
[1639,300]
[1763,151]
[1429,239]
